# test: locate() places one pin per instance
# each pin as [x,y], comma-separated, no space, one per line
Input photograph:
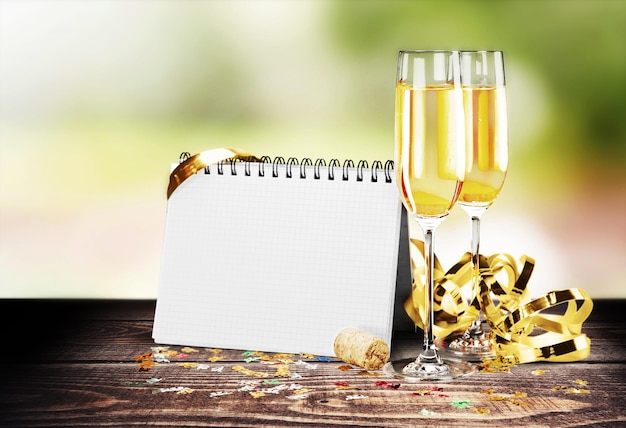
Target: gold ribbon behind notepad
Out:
[199,161]
[524,330]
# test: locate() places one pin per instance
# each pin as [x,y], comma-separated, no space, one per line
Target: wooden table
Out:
[87,363]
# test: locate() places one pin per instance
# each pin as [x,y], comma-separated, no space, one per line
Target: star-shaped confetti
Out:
[257,394]
[356,397]
[460,404]
[188,365]
[215,359]
[344,385]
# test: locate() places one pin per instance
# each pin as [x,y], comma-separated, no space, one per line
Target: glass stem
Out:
[476,327]
[429,353]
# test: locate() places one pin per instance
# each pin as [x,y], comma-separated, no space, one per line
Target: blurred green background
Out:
[98,97]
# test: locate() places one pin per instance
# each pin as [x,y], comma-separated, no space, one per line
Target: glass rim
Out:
[480,51]
[401,51]
[451,50]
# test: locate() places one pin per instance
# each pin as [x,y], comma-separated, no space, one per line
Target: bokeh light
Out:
[98,98]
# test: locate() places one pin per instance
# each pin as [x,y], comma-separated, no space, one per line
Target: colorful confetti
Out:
[577,391]
[272,382]
[276,389]
[145,361]
[430,391]
[369,373]
[387,385]
[344,385]
[215,359]
[248,372]
[511,398]
[497,398]
[257,394]
[306,365]
[355,397]
[172,389]
[572,390]
[282,356]
[283,371]
[160,357]
[248,386]
[188,365]
[133,383]
[460,404]
[321,359]
[142,357]
[252,354]
[498,364]
[297,396]
[145,365]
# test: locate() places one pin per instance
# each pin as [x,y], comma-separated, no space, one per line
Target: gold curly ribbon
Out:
[201,160]
[524,330]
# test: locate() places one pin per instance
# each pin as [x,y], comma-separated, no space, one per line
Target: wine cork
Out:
[360,348]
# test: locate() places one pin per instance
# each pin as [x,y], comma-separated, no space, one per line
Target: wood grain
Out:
[76,367]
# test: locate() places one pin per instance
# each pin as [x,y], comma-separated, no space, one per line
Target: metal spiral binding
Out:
[303,164]
[347,164]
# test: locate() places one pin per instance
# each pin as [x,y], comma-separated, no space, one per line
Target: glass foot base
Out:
[472,348]
[411,370]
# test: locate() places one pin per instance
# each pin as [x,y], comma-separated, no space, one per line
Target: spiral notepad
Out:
[279,255]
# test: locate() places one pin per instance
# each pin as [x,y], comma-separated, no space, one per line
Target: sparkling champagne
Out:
[487,144]
[429,168]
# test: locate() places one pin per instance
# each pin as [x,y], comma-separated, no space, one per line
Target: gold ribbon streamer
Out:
[524,330]
[201,160]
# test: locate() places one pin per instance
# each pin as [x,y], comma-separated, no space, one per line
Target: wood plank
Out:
[79,370]
[64,394]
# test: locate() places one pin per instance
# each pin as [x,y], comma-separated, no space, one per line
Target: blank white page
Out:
[278,264]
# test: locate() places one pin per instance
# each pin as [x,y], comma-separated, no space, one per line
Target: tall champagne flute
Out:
[484,102]
[429,159]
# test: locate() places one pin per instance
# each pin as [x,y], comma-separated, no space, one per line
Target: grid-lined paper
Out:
[278,264]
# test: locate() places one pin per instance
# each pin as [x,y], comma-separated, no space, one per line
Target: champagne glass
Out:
[484,102]
[429,159]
